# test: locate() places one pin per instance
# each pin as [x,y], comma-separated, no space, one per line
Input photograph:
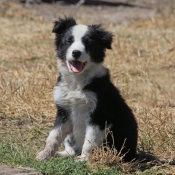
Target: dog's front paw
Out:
[81,158]
[43,155]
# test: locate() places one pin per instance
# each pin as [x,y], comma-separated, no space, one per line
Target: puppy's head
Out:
[80,46]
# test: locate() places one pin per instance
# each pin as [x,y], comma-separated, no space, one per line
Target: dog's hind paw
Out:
[43,155]
[71,153]
[81,158]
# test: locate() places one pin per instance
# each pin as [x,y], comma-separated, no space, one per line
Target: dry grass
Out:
[106,157]
[142,66]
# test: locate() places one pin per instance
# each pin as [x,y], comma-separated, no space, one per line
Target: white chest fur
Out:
[73,96]
[79,103]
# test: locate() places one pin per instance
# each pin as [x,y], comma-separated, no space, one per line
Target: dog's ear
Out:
[105,36]
[62,25]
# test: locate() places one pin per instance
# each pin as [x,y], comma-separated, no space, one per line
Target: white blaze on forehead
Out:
[79,31]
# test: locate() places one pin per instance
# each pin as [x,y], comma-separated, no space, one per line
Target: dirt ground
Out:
[104,12]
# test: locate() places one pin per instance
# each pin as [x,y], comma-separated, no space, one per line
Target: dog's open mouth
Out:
[77,66]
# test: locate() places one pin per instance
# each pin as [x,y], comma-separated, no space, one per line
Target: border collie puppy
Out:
[86,100]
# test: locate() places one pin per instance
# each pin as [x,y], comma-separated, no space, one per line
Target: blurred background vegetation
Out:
[142,66]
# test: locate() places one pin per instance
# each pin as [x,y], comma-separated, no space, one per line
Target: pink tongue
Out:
[76,66]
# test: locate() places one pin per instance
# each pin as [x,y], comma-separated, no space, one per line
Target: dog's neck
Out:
[81,80]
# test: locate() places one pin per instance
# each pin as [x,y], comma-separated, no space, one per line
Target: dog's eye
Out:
[69,40]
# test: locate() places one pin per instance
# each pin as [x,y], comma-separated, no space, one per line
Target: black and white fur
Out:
[86,100]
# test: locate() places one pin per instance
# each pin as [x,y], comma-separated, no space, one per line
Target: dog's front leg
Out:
[61,129]
[93,137]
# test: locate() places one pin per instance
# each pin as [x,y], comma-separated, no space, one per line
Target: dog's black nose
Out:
[76,54]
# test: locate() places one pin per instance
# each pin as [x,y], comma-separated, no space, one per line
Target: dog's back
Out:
[112,110]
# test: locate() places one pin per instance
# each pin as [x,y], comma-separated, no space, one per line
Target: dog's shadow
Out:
[146,160]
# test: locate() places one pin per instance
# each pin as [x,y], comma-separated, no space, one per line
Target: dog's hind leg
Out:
[94,137]
[61,129]
[69,145]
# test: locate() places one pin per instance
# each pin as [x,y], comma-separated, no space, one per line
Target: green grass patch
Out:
[18,155]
